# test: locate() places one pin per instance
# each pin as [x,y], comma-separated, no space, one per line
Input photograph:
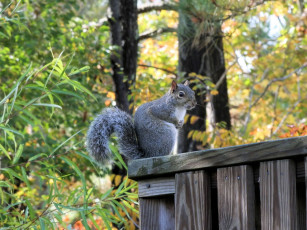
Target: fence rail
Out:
[254,186]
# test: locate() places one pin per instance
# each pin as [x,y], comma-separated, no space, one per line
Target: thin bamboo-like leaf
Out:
[12,173]
[10,130]
[5,184]
[38,156]
[31,209]
[47,105]
[93,221]
[84,221]
[66,92]
[25,176]
[56,62]
[42,224]
[18,154]
[117,212]
[81,70]
[106,194]
[8,96]
[118,156]
[14,98]
[5,152]
[78,86]
[77,170]
[64,142]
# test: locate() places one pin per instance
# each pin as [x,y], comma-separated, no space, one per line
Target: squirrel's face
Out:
[184,95]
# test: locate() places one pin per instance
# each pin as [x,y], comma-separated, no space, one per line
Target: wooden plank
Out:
[301,206]
[236,198]
[278,195]
[157,187]
[242,154]
[157,213]
[193,201]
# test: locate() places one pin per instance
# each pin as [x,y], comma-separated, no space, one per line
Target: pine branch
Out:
[156,7]
[155,33]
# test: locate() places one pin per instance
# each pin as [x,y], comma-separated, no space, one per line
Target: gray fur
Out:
[112,120]
[153,133]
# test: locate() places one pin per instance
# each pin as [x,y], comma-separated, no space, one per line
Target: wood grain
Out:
[236,198]
[157,213]
[193,201]
[242,154]
[278,195]
[157,187]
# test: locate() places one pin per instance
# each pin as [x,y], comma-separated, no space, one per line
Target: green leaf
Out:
[118,156]
[56,62]
[14,99]
[12,173]
[10,130]
[8,96]
[31,209]
[5,184]
[81,70]
[63,143]
[42,224]
[47,105]
[84,221]
[78,86]
[77,170]
[18,154]
[5,152]
[25,176]
[38,156]
[66,92]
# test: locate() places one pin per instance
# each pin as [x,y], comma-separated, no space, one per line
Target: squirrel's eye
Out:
[181,94]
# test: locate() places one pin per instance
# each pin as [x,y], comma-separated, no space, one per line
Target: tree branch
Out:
[159,68]
[155,33]
[156,7]
[276,80]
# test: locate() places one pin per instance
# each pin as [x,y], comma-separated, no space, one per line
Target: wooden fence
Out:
[254,186]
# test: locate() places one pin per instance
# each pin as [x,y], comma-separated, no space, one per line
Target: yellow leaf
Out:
[111,95]
[214,92]
[194,119]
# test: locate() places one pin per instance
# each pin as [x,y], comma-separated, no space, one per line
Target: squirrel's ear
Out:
[174,86]
[186,83]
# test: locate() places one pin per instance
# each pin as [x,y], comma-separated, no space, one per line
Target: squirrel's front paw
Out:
[179,124]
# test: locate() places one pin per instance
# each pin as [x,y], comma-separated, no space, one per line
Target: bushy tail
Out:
[112,120]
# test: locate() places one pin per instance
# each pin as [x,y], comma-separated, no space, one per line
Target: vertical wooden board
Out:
[278,195]
[157,213]
[193,201]
[236,198]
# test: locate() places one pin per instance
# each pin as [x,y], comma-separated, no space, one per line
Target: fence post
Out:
[193,201]
[236,205]
[278,195]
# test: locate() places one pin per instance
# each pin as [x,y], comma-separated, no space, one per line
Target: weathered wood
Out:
[278,195]
[301,206]
[157,187]
[222,157]
[193,201]
[236,197]
[157,213]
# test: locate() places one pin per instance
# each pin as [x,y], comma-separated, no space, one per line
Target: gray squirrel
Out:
[153,131]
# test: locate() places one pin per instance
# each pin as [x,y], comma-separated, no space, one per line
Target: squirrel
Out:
[153,131]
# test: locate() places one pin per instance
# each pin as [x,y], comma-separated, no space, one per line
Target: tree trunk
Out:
[190,60]
[123,26]
[207,60]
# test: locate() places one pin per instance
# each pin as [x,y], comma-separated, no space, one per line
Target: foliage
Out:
[47,179]
[55,75]
[264,45]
